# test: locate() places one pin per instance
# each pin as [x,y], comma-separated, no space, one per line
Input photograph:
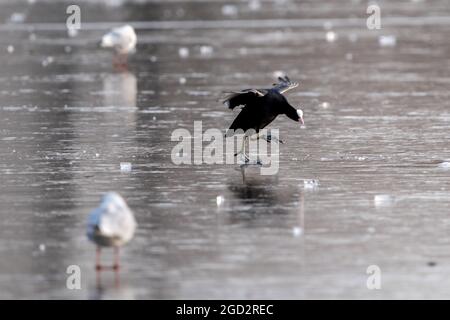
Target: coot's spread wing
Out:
[242,98]
[284,84]
[248,118]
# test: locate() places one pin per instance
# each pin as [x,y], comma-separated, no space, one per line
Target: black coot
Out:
[261,107]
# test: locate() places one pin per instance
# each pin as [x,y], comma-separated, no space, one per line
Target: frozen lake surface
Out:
[376,138]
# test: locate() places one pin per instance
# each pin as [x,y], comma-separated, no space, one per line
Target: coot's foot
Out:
[269,139]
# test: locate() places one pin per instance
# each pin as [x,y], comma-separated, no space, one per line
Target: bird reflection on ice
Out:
[109,285]
[120,89]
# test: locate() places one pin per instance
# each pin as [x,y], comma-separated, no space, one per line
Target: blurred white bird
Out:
[112,224]
[123,40]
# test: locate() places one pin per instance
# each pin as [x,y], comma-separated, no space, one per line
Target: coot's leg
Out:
[269,139]
[242,147]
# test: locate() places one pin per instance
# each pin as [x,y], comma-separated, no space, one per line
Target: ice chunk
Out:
[183,52]
[42,247]
[331,36]
[72,32]
[310,184]
[17,17]
[383,200]
[297,231]
[10,49]
[229,10]
[325,105]
[125,166]
[254,5]
[182,80]
[47,61]
[444,165]
[206,50]
[387,41]
[153,58]
[220,200]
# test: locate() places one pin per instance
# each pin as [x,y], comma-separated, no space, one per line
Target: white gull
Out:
[112,224]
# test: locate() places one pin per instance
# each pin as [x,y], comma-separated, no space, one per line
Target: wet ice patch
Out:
[327,25]
[353,37]
[214,114]
[444,165]
[383,200]
[371,230]
[387,41]
[229,10]
[72,32]
[206,51]
[310,184]
[254,5]
[47,61]
[17,17]
[125,166]
[198,93]
[39,251]
[9,138]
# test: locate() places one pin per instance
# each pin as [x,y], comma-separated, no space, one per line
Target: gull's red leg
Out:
[116,265]
[98,265]
[121,62]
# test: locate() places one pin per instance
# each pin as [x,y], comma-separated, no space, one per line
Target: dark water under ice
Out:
[377,130]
